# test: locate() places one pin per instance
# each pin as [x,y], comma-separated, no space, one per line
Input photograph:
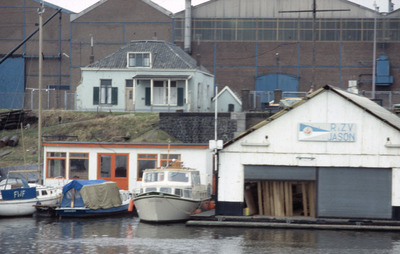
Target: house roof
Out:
[360,101]
[165,55]
[152,76]
[226,89]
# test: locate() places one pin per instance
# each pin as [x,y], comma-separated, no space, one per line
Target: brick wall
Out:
[199,127]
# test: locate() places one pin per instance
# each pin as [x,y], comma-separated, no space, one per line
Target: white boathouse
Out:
[122,163]
[333,154]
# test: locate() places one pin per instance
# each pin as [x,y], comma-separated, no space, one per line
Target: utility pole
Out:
[40,12]
[314,12]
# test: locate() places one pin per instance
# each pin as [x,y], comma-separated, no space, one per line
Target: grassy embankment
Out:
[87,127]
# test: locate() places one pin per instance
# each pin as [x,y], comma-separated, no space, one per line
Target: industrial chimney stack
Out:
[188,26]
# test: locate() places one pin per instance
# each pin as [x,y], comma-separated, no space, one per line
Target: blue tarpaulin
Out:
[78,184]
[71,192]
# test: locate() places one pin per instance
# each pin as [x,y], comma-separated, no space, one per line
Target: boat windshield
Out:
[195,178]
[187,192]
[153,177]
[69,194]
[13,182]
[166,190]
[178,177]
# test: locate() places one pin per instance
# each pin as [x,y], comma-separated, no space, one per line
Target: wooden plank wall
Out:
[275,198]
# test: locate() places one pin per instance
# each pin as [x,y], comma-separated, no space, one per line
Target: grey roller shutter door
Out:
[354,192]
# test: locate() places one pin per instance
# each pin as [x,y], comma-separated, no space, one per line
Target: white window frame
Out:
[168,91]
[105,92]
[146,61]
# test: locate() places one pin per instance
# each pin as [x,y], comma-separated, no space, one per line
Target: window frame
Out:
[153,158]
[105,94]
[289,29]
[112,166]
[165,158]
[165,90]
[58,156]
[105,91]
[144,56]
[72,156]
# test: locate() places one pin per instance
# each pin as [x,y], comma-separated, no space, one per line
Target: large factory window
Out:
[289,29]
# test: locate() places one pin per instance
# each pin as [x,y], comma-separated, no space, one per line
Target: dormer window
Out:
[139,59]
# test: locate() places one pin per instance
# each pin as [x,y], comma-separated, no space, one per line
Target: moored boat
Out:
[170,194]
[18,198]
[88,198]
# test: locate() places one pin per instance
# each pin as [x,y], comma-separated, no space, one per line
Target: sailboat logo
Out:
[313,132]
[307,131]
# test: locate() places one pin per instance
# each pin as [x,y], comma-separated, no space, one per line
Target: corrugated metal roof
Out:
[165,55]
[363,102]
[371,107]
[274,8]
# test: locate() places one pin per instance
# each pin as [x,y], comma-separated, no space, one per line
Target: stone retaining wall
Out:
[199,127]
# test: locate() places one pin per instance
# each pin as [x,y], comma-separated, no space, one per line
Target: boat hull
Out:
[23,207]
[159,207]
[86,212]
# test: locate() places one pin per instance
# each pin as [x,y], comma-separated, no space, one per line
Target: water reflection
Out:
[128,235]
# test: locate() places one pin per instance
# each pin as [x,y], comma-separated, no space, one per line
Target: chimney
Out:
[188,26]
[198,58]
[277,96]
[245,100]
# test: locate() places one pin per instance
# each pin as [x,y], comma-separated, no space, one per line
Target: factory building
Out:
[255,46]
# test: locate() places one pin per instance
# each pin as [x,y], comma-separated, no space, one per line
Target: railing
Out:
[259,100]
[51,99]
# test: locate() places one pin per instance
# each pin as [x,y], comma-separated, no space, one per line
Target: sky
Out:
[178,5]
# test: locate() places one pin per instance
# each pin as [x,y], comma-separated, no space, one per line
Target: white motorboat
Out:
[18,198]
[170,194]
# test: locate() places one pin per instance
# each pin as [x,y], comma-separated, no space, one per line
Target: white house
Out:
[228,101]
[333,154]
[122,163]
[146,76]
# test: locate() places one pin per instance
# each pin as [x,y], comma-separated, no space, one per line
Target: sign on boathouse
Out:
[327,132]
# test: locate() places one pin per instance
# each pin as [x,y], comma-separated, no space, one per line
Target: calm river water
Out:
[128,235]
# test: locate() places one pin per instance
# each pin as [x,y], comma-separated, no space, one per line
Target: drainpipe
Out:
[91,58]
[374,55]
[188,26]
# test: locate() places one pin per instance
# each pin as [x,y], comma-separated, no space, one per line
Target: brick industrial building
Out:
[252,45]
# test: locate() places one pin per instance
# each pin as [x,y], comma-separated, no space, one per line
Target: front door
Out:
[114,167]
[129,98]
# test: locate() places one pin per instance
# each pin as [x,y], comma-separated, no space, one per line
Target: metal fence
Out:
[51,99]
[259,100]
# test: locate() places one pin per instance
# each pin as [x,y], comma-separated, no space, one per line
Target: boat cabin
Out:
[180,182]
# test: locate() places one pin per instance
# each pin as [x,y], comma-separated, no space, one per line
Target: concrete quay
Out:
[209,220]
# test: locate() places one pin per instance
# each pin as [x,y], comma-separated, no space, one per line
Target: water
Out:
[128,235]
